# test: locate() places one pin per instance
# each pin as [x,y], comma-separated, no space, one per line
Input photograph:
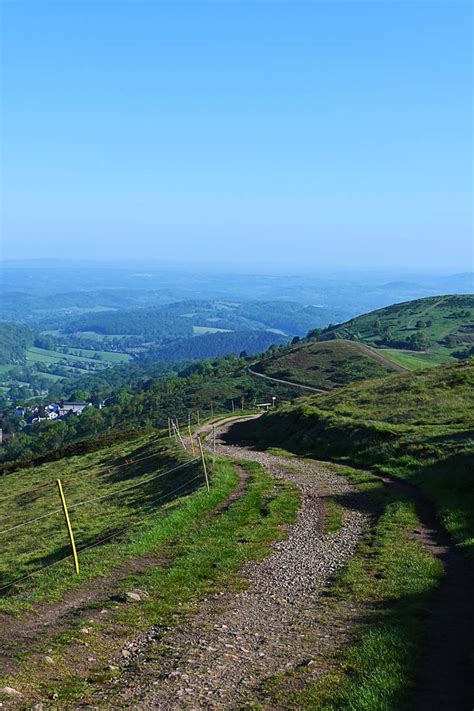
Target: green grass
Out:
[322,365]
[414,361]
[43,355]
[90,476]
[204,553]
[334,516]
[438,317]
[109,356]
[418,426]
[200,330]
[391,579]
[6,368]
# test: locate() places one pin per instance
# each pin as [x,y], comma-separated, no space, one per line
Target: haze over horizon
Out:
[268,137]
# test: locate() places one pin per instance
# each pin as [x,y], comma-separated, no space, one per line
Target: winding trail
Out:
[223,656]
[238,640]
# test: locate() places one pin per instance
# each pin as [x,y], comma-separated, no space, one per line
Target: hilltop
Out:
[325,365]
[435,328]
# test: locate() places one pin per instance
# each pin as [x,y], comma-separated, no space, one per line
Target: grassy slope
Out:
[443,312]
[202,553]
[418,426]
[322,365]
[84,477]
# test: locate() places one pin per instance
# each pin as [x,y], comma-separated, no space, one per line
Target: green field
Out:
[413,360]
[42,355]
[322,365]
[109,356]
[200,330]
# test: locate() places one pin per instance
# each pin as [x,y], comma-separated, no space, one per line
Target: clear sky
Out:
[306,135]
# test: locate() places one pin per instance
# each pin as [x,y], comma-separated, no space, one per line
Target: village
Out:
[33,414]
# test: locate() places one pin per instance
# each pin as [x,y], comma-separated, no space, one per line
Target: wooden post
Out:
[213,444]
[68,525]
[233,406]
[179,435]
[169,427]
[212,410]
[203,461]
[242,404]
[197,417]
[191,440]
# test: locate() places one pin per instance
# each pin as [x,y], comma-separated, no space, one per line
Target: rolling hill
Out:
[215,345]
[434,329]
[325,365]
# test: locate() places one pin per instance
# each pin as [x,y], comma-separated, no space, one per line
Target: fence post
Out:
[213,444]
[178,433]
[191,440]
[68,525]
[203,461]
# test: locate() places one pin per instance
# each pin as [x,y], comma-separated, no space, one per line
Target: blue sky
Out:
[306,135]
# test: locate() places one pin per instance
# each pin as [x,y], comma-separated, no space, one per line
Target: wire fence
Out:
[36,543]
[103,503]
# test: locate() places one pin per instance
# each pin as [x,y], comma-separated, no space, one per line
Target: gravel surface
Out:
[237,640]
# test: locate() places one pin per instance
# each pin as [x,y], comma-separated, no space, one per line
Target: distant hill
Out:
[325,365]
[442,326]
[179,319]
[216,345]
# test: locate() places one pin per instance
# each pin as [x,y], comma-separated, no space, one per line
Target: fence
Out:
[41,528]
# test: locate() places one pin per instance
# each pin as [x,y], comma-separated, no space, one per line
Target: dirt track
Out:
[238,640]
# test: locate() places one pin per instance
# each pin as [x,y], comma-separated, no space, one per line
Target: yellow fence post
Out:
[203,461]
[68,525]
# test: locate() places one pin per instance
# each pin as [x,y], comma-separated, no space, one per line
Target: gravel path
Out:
[237,640]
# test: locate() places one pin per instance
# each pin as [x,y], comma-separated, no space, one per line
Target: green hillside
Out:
[419,426]
[325,365]
[88,476]
[437,327]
